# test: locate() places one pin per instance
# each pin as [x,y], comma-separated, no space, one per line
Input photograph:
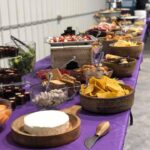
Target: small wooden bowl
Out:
[130,51]
[22,138]
[107,105]
[122,70]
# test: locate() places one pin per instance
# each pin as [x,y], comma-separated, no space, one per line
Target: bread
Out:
[56,74]
[56,84]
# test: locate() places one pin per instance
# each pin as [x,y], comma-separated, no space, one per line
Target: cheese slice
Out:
[46,123]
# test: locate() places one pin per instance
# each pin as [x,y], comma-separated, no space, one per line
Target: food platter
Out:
[127,51]
[121,70]
[108,105]
[69,43]
[72,133]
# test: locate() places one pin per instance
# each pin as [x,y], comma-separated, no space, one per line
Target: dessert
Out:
[15,94]
[46,123]
[8,75]
[8,51]
[104,87]
[70,38]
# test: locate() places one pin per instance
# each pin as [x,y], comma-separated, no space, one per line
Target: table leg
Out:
[131,119]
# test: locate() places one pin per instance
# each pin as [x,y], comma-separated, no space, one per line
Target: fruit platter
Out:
[70,40]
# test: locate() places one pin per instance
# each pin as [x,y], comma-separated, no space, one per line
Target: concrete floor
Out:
[138,135]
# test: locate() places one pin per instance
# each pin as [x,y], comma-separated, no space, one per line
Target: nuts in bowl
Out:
[50,98]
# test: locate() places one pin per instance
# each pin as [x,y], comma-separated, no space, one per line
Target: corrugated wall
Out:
[32,20]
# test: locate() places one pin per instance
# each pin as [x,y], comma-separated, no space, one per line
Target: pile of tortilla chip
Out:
[104,87]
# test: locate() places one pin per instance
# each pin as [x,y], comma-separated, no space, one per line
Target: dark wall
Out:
[141,4]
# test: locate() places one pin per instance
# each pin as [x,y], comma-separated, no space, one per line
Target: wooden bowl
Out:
[107,105]
[122,70]
[106,45]
[137,38]
[22,138]
[130,51]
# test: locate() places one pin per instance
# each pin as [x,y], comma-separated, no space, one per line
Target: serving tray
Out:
[72,133]
[70,42]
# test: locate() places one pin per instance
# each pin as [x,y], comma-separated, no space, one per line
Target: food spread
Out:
[57,82]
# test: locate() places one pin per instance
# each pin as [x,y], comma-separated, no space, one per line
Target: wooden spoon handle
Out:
[103,128]
[72,110]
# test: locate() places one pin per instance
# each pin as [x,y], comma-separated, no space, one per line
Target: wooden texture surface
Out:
[132,51]
[28,140]
[122,70]
[108,106]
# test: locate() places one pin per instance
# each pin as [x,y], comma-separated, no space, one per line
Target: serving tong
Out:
[15,40]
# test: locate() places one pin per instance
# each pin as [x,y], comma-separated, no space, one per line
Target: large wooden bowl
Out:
[122,70]
[22,138]
[131,51]
[108,106]
[106,45]
[137,38]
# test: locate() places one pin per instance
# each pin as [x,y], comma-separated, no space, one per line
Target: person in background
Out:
[140,4]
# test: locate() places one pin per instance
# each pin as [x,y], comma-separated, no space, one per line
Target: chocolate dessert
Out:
[8,51]
[8,75]
[15,94]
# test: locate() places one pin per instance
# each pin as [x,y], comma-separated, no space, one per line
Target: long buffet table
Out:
[112,141]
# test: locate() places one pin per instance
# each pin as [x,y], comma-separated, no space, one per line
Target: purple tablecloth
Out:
[112,141]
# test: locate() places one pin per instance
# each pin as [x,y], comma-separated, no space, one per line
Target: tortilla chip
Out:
[89,89]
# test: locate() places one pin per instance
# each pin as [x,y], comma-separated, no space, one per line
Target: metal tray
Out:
[70,43]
